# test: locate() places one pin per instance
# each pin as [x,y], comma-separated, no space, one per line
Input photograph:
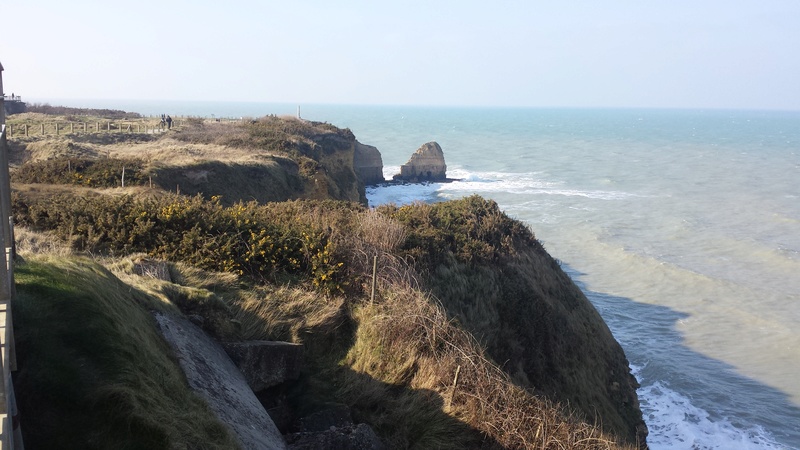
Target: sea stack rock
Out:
[368,164]
[426,164]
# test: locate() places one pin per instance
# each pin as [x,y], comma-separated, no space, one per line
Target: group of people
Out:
[166,120]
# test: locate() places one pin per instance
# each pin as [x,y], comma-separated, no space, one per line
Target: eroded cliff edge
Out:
[489,273]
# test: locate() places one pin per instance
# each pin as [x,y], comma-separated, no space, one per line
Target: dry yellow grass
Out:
[401,361]
[30,242]
[407,339]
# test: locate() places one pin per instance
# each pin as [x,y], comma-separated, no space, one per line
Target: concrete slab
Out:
[212,374]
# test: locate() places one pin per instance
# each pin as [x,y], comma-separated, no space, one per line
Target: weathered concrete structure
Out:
[266,363]
[212,374]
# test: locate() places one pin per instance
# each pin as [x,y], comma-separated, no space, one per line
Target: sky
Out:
[729,54]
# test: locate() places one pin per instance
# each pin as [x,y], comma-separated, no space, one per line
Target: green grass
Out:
[460,285]
[93,371]
[492,280]
[499,283]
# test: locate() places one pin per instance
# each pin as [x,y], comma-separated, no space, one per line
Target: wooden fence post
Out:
[72,127]
[42,128]
[108,126]
[84,127]
[26,130]
[374,276]
[56,128]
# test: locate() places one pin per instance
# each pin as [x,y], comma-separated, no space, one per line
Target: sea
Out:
[682,227]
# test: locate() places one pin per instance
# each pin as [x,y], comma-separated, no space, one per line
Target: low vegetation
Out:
[99,173]
[269,159]
[475,337]
[94,373]
[45,108]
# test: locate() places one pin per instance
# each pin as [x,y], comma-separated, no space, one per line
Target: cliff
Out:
[269,159]
[492,276]
[475,337]
[368,164]
[284,159]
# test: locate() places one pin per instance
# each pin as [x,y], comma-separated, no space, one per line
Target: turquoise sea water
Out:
[682,227]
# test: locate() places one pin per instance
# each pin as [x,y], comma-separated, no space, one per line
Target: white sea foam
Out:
[675,422]
[487,183]
[402,194]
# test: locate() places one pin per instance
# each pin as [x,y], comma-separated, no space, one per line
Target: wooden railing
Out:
[10,436]
[45,128]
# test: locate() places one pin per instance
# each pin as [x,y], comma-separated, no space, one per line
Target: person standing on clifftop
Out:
[169,122]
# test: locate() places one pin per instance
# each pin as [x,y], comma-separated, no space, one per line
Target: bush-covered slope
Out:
[491,277]
[496,279]
[475,338]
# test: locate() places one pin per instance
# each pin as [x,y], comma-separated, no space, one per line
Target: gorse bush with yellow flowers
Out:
[264,242]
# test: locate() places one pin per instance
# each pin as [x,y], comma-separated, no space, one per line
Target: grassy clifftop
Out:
[269,159]
[476,338]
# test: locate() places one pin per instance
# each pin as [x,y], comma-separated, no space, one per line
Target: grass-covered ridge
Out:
[94,374]
[476,337]
[268,159]
[492,276]
[399,354]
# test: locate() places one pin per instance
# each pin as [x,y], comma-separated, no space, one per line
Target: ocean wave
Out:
[522,184]
[484,183]
[675,422]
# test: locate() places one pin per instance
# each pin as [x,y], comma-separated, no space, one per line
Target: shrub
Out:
[471,229]
[44,108]
[97,173]
[260,241]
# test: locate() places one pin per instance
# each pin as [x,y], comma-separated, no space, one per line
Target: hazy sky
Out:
[618,53]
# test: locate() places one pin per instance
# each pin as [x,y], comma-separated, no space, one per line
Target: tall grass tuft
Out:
[408,340]
[94,372]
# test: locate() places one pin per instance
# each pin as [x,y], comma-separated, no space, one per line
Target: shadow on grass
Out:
[403,417]
[680,386]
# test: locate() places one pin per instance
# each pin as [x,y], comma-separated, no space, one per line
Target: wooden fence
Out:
[56,128]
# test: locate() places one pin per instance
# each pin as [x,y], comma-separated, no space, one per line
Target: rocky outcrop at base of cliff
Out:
[426,164]
[368,164]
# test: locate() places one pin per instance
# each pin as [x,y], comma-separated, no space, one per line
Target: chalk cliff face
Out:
[368,164]
[426,164]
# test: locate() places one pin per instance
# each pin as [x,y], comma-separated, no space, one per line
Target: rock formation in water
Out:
[426,164]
